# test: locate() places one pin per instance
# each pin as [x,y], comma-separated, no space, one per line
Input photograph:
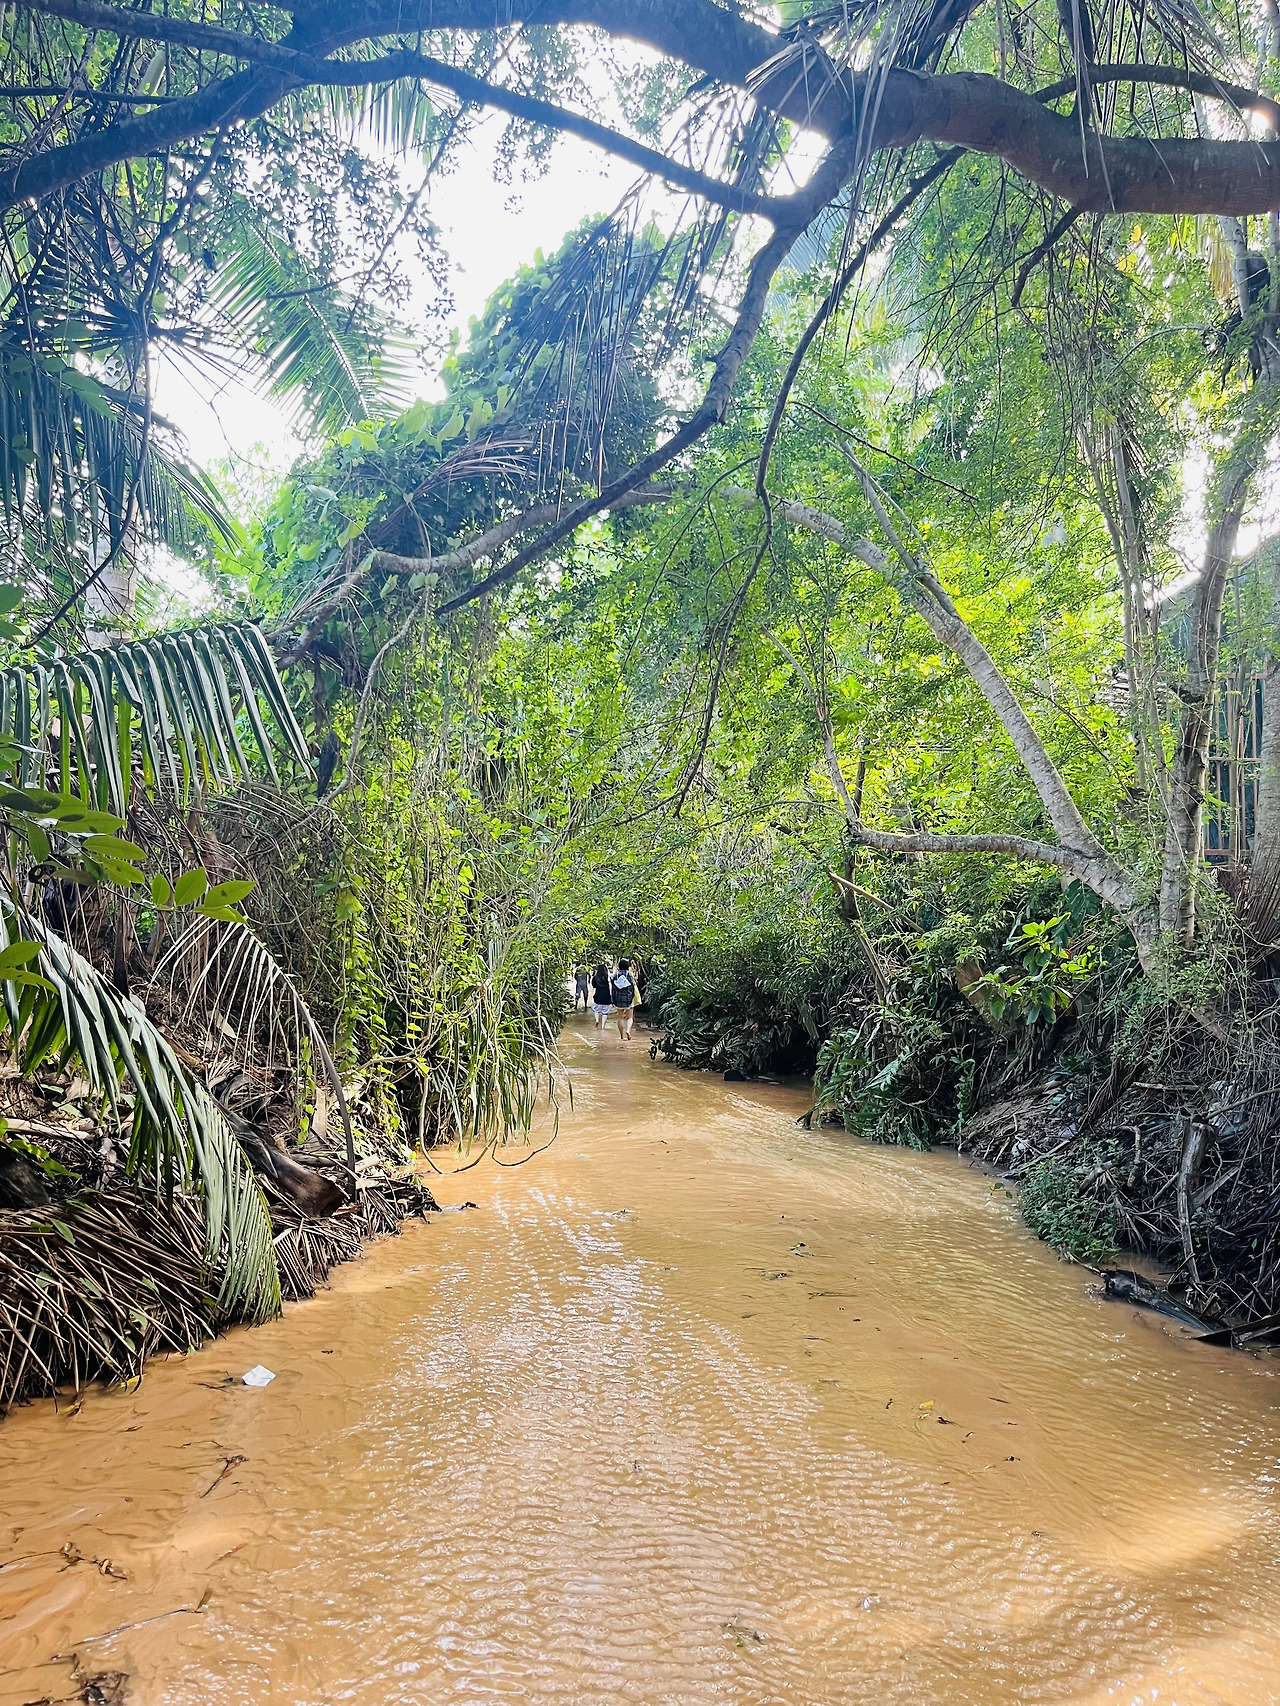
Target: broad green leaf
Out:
[34,801]
[124,876]
[111,847]
[161,889]
[71,874]
[17,954]
[190,886]
[228,894]
[28,979]
[78,819]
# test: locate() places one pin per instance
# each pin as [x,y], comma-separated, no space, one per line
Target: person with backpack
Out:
[601,995]
[623,993]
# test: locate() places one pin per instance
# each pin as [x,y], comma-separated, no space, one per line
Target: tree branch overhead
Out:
[904,106]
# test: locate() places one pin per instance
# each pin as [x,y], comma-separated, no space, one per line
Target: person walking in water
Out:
[623,991]
[601,995]
[580,979]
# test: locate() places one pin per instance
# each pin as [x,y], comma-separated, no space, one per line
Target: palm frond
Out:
[164,712]
[481,1064]
[79,458]
[400,117]
[228,969]
[333,361]
[179,1141]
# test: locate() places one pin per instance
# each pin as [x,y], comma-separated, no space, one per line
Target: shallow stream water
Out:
[696,1407]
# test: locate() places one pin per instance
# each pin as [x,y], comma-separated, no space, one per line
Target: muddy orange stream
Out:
[697,1407]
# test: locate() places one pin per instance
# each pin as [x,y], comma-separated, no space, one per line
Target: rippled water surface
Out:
[697,1407]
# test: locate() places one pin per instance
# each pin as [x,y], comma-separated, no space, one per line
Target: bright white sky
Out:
[487,229]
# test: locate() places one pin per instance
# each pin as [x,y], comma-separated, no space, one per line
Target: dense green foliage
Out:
[1060,1208]
[755,1005]
[879,775]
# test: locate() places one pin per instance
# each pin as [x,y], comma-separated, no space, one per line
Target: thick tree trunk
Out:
[1189,770]
[1264,876]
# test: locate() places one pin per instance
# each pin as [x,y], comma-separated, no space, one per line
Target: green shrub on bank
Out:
[757,1006]
[1059,1206]
[902,1075]
[904,1070]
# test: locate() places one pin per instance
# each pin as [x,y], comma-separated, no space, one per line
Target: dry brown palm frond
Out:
[224,973]
[92,1288]
[307,1249]
[179,1140]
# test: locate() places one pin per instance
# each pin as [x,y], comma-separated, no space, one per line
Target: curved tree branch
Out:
[895,110]
[1089,865]
[231,100]
[390,68]
[317,613]
[485,544]
[1127,174]
[920,589]
[139,24]
[1066,859]
[795,214]
[1077,850]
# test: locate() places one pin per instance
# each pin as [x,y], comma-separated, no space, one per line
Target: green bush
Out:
[1059,1207]
[758,1006]
[900,1076]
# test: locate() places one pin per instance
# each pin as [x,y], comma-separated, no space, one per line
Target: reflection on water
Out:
[699,1407]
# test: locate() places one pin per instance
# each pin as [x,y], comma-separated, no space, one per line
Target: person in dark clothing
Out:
[623,992]
[580,979]
[601,995]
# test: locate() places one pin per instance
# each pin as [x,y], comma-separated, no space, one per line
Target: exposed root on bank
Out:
[1174,1158]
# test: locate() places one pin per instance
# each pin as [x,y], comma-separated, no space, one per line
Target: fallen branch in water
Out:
[229,1464]
[123,1628]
